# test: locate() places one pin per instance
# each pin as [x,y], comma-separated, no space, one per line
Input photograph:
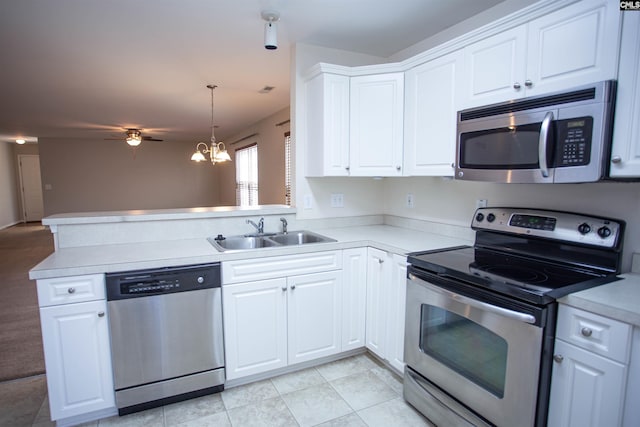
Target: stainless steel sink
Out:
[241,243]
[299,238]
[293,238]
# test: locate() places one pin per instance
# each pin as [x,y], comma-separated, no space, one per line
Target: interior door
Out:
[31,187]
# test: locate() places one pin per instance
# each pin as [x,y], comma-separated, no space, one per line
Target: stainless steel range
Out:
[480,321]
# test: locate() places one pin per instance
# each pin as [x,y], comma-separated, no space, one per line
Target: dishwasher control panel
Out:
[141,283]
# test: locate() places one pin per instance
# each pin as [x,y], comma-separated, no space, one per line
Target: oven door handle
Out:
[511,314]
[542,144]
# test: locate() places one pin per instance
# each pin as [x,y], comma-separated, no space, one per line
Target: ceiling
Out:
[91,68]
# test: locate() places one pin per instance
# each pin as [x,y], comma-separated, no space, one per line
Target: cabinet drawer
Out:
[601,335]
[248,270]
[65,290]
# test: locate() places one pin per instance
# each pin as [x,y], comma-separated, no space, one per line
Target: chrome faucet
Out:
[284,225]
[259,226]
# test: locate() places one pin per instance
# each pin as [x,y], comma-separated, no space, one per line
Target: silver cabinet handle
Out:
[293,287]
[542,143]
[101,314]
[616,159]
[347,167]
[528,83]
[516,86]
[284,289]
[558,358]
[380,260]
[586,332]
[398,168]
[71,290]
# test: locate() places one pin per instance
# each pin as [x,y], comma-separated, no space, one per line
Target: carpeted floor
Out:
[21,247]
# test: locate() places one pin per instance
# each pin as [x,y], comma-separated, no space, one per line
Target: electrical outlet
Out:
[308,202]
[410,200]
[337,200]
[481,203]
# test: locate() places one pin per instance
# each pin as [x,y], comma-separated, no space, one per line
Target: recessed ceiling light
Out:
[20,141]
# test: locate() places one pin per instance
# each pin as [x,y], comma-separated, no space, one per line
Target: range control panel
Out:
[563,226]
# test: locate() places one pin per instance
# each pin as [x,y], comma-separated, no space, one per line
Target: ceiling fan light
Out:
[21,141]
[134,141]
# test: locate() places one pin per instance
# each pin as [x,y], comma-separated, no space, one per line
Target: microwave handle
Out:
[542,143]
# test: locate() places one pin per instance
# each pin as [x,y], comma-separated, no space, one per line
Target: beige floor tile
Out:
[266,413]
[297,380]
[315,405]
[363,390]
[391,379]
[149,418]
[21,400]
[193,409]
[396,413]
[221,419]
[345,367]
[250,393]
[351,420]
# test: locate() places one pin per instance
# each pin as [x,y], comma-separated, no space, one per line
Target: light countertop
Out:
[135,256]
[619,300]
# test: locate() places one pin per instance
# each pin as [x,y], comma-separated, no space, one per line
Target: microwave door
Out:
[511,148]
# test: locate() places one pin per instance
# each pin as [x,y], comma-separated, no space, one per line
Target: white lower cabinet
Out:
[77,352]
[591,357]
[386,299]
[274,322]
[354,298]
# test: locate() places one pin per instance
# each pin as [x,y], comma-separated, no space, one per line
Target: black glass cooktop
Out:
[510,274]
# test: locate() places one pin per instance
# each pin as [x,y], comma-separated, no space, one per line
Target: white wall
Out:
[9,209]
[99,175]
[454,202]
[270,139]
[361,195]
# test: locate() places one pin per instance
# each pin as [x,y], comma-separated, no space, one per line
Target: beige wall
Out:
[270,139]
[9,209]
[98,175]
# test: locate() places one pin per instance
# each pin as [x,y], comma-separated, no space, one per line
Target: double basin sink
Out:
[267,240]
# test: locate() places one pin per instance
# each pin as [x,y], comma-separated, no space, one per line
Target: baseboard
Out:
[2,227]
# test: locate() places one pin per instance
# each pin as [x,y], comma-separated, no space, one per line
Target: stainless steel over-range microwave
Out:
[558,138]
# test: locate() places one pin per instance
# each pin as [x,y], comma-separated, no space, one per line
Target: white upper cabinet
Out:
[494,68]
[625,153]
[376,119]
[327,101]
[572,46]
[431,104]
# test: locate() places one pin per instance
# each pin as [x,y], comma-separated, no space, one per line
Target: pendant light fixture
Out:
[217,151]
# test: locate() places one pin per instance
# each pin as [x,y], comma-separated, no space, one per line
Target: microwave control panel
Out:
[573,142]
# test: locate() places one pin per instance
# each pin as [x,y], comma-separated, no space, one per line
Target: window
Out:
[287,168]
[247,176]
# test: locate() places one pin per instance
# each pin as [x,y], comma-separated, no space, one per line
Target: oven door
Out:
[485,355]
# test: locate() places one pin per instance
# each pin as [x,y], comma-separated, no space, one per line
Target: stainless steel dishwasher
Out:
[166,335]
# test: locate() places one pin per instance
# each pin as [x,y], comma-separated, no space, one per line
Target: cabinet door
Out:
[377,291]
[395,315]
[586,389]
[255,327]
[354,298]
[625,153]
[327,121]
[573,46]
[77,358]
[431,107]
[376,125]
[494,68]
[314,315]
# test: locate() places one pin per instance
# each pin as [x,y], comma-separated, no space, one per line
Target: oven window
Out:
[502,148]
[464,346]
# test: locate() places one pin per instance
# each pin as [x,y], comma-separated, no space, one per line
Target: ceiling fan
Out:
[134,137]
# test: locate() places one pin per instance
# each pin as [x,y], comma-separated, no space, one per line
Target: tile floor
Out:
[356,391]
